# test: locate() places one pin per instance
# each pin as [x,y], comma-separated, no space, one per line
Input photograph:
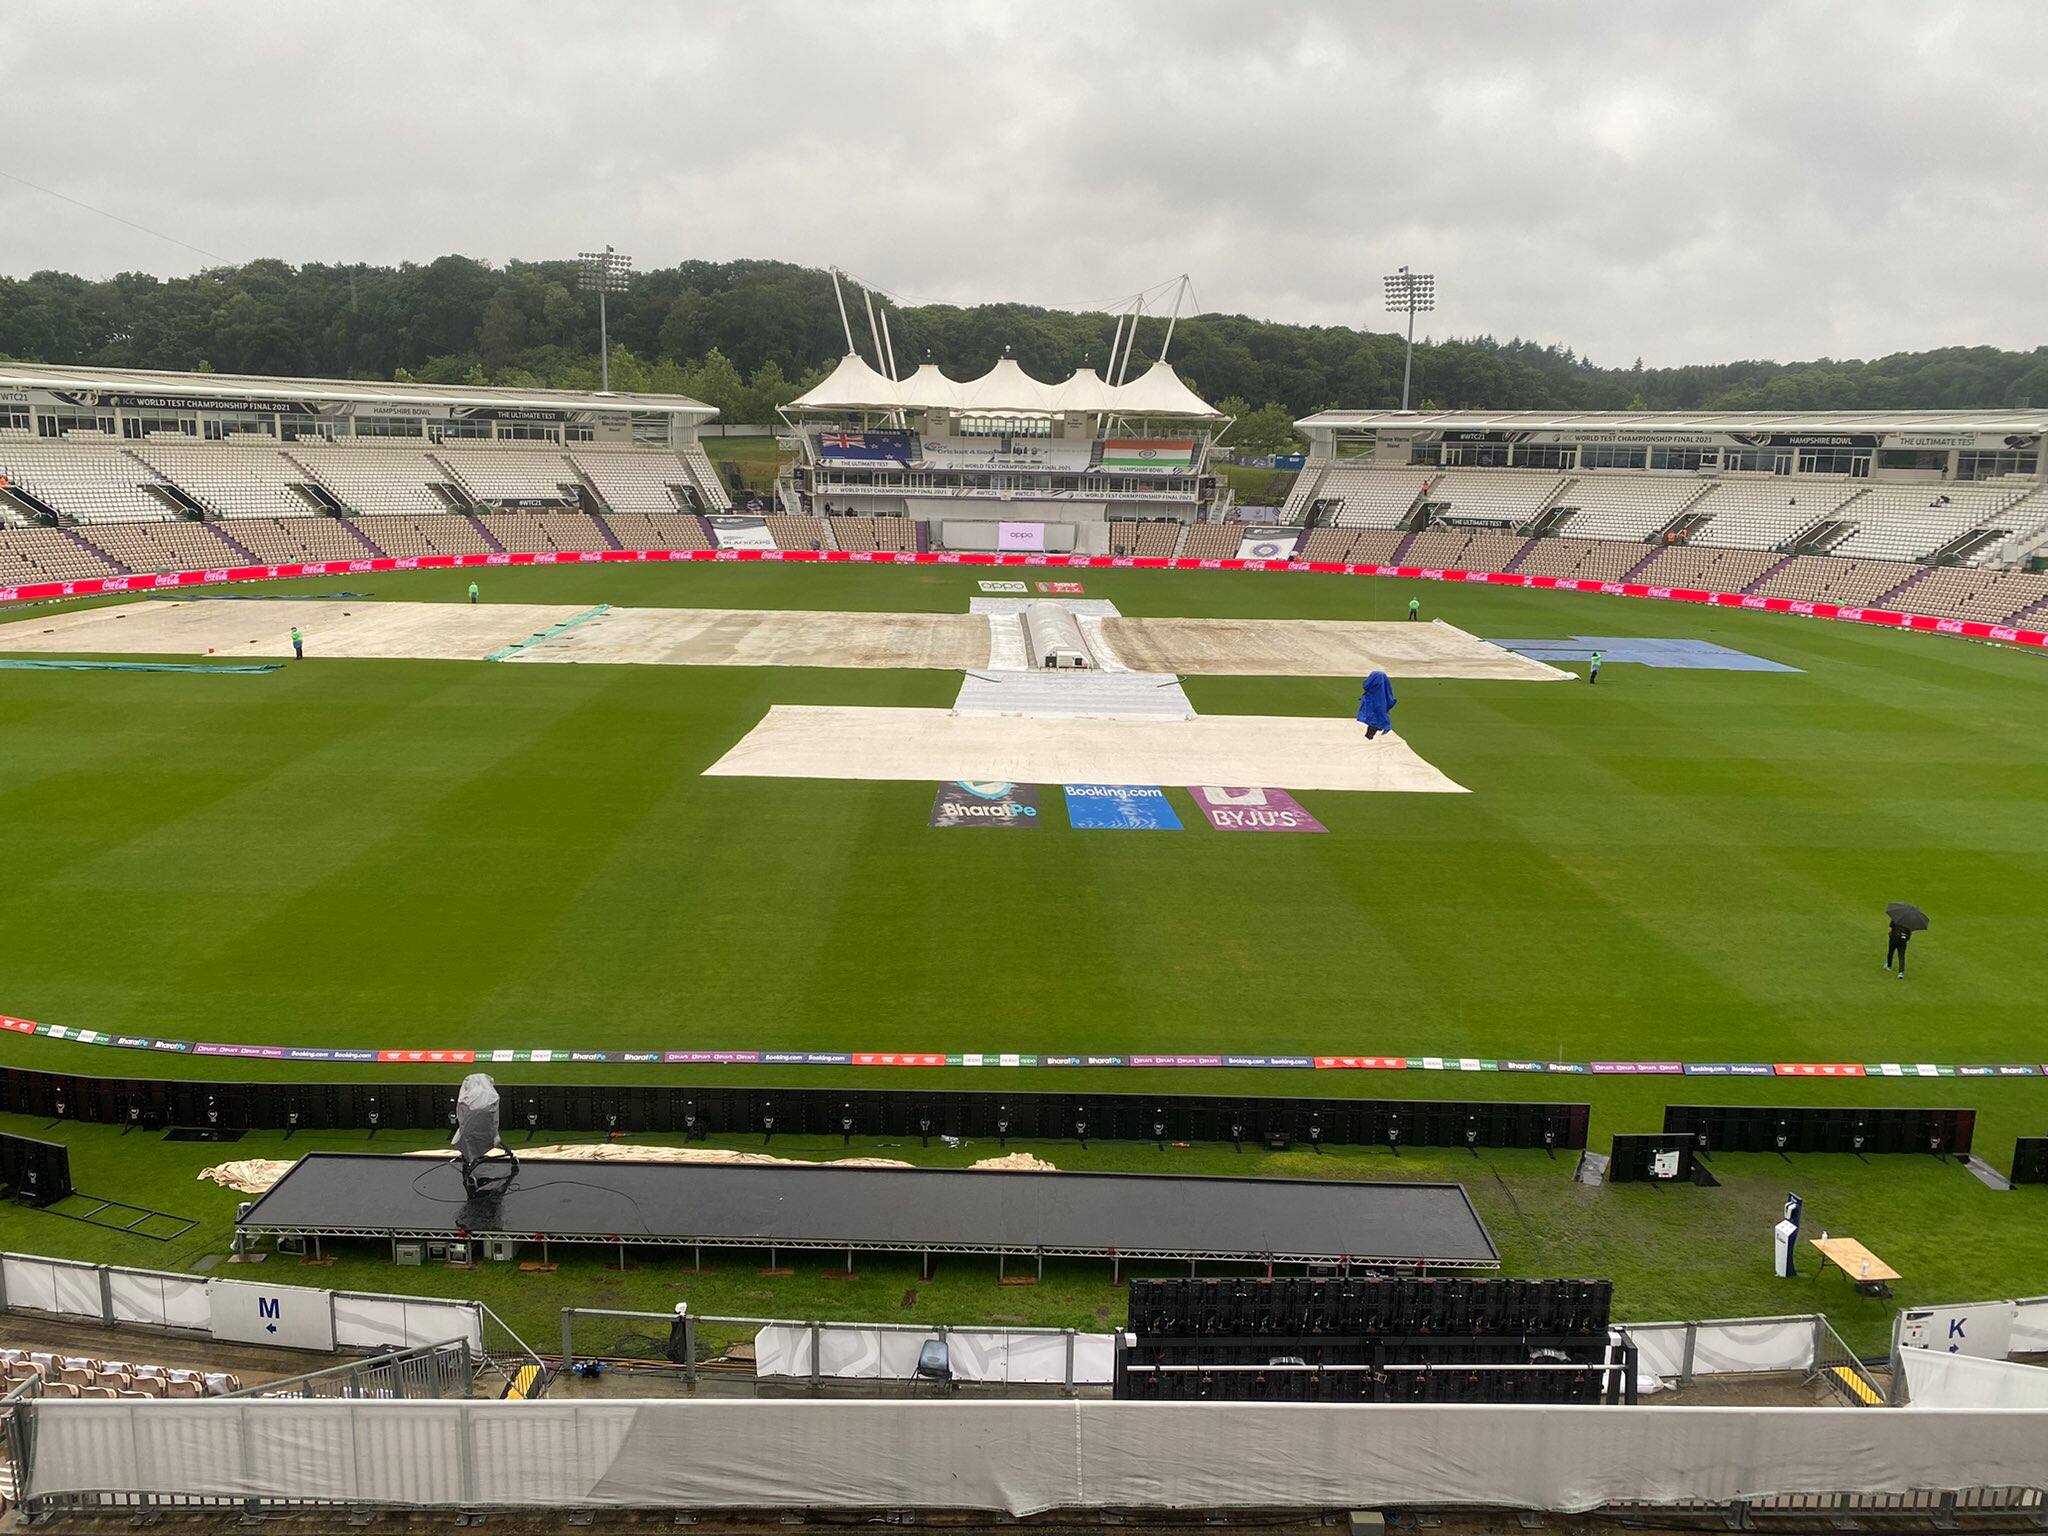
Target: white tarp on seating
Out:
[1020,1457]
[890,1354]
[1938,1380]
[381,1322]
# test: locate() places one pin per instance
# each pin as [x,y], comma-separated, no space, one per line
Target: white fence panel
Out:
[381,1322]
[2030,1327]
[163,1301]
[1768,1345]
[30,1283]
[77,1290]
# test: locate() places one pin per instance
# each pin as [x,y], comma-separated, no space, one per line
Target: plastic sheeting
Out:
[1019,1457]
[890,1354]
[1756,1344]
[1938,1380]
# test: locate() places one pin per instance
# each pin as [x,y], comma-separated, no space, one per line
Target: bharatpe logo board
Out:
[1253,810]
[1120,807]
[979,803]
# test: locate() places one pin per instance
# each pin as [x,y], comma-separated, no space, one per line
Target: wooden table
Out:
[1866,1269]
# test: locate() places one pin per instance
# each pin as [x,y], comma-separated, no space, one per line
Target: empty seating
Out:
[1705,568]
[504,472]
[1209,541]
[1371,498]
[542,532]
[706,476]
[164,546]
[1824,578]
[441,533]
[1623,506]
[1306,488]
[1749,514]
[1463,549]
[874,533]
[1514,494]
[89,482]
[77,1376]
[636,479]
[659,530]
[1899,522]
[297,540]
[1581,559]
[1155,540]
[1967,592]
[231,479]
[29,555]
[798,532]
[366,475]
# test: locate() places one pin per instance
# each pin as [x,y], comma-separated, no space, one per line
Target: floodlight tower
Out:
[604,272]
[1410,293]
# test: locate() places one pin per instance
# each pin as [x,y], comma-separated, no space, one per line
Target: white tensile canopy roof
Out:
[1004,389]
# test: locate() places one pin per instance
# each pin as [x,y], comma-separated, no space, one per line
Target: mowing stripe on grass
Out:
[504,653]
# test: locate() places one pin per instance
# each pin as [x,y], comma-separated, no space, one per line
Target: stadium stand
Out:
[791,532]
[1707,569]
[1352,546]
[708,485]
[1742,514]
[1463,549]
[1827,579]
[78,1376]
[1898,522]
[1371,498]
[296,540]
[178,546]
[88,478]
[1970,592]
[509,472]
[658,530]
[541,532]
[375,478]
[1516,495]
[1581,559]
[232,480]
[439,533]
[635,480]
[1210,541]
[874,533]
[49,554]
[1156,539]
[1625,507]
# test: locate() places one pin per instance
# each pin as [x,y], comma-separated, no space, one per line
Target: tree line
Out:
[747,336]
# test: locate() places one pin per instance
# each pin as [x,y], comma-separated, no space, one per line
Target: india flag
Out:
[1159,454]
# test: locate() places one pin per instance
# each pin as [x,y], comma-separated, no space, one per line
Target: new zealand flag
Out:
[836,447]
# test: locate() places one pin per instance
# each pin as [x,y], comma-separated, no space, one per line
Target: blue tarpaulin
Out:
[1376,701]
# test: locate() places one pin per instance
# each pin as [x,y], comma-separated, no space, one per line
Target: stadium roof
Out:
[1006,389]
[258,388]
[1690,421]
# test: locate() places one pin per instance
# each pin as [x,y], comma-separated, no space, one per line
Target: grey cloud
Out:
[1684,182]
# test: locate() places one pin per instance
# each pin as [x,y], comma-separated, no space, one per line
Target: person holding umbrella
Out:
[1906,920]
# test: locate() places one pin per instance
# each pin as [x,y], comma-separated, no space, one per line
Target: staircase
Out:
[1401,548]
[484,533]
[248,555]
[1637,569]
[362,538]
[1891,599]
[1528,547]
[1767,575]
[604,529]
[2033,616]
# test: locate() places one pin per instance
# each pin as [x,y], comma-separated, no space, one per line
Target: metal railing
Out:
[431,1371]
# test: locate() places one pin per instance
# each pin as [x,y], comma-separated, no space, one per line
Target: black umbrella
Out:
[1907,916]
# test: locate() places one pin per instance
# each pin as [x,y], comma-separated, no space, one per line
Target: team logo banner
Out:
[1159,455]
[740,532]
[1120,807]
[1268,543]
[1253,810]
[985,804]
[865,448]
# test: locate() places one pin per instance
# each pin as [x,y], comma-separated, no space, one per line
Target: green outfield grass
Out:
[1684,865]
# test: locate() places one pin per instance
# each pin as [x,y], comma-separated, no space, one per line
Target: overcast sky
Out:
[1686,182]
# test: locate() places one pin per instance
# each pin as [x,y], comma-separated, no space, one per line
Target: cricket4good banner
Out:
[1149,455]
[983,804]
[1268,543]
[740,532]
[1253,810]
[1043,455]
[884,449]
[1123,807]
[1026,536]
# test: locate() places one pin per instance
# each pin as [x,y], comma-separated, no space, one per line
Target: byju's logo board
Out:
[982,803]
[1253,810]
[1123,807]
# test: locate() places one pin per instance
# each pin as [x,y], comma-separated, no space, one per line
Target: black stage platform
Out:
[903,1210]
